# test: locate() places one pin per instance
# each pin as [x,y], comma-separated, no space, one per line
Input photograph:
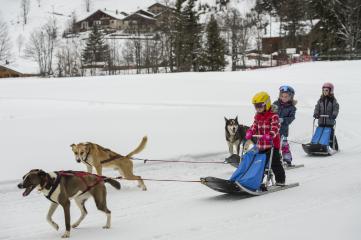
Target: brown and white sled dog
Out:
[94,155]
[235,135]
[60,187]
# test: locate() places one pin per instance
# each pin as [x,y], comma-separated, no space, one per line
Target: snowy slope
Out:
[182,114]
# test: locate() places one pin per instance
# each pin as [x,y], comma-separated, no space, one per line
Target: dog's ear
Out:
[41,173]
[226,119]
[73,145]
[236,119]
[87,146]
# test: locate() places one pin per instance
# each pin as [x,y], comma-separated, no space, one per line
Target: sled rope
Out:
[157,180]
[294,142]
[177,161]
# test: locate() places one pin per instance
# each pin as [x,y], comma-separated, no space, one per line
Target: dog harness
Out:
[81,175]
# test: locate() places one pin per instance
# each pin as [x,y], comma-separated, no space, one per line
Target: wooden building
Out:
[103,19]
[158,8]
[8,72]
[276,41]
[140,22]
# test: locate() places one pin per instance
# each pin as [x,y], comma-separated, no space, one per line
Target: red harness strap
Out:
[81,175]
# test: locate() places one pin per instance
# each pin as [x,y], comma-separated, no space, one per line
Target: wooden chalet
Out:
[8,72]
[103,19]
[158,8]
[141,22]
[275,41]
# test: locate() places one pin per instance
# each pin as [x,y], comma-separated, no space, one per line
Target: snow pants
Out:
[276,166]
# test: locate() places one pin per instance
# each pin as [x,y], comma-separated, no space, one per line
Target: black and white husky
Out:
[235,135]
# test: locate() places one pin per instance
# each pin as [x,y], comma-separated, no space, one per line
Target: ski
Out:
[293,166]
[270,189]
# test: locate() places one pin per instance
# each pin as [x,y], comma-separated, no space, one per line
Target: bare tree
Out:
[41,47]
[259,24]
[25,9]
[5,44]
[240,28]
[68,58]
[88,5]
[348,16]
[20,43]
[128,54]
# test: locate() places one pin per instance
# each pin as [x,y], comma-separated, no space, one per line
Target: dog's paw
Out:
[66,234]
[55,226]
[75,225]
[106,227]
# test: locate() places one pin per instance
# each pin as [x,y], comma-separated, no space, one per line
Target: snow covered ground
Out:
[182,114]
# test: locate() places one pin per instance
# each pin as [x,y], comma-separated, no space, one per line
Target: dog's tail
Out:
[139,148]
[113,182]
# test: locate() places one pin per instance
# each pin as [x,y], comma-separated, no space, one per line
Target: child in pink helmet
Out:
[326,110]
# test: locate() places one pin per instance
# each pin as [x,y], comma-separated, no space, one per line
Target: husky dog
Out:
[94,155]
[235,135]
[60,187]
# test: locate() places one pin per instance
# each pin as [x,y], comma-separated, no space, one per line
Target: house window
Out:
[97,22]
[84,25]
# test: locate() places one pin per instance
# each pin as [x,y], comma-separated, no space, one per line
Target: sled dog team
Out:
[271,125]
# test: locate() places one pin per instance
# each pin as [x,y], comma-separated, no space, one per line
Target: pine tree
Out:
[187,41]
[214,50]
[96,50]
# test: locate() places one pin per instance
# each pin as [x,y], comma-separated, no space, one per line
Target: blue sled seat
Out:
[322,136]
[251,170]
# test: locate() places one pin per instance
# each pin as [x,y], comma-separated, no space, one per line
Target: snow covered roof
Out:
[274,28]
[140,15]
[24,66]
[120,15]
[145,12]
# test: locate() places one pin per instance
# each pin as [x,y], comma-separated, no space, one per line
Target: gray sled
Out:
[226,186]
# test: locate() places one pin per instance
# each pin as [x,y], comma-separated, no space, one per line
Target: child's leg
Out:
[332,137]
[276,166]
[286,152]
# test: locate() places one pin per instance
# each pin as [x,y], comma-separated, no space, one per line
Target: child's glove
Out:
[266,137]
[316,115]
[281,120]
[249,134]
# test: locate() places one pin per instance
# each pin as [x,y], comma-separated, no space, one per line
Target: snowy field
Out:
[183,117]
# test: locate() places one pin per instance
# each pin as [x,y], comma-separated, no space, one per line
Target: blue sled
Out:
[320,143]
[247,179]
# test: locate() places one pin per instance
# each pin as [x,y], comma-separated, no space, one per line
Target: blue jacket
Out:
[286,111]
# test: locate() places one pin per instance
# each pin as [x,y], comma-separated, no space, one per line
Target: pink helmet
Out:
[329,86]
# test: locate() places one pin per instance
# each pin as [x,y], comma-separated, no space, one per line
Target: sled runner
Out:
[292,166]
[320,144]
[248,177]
